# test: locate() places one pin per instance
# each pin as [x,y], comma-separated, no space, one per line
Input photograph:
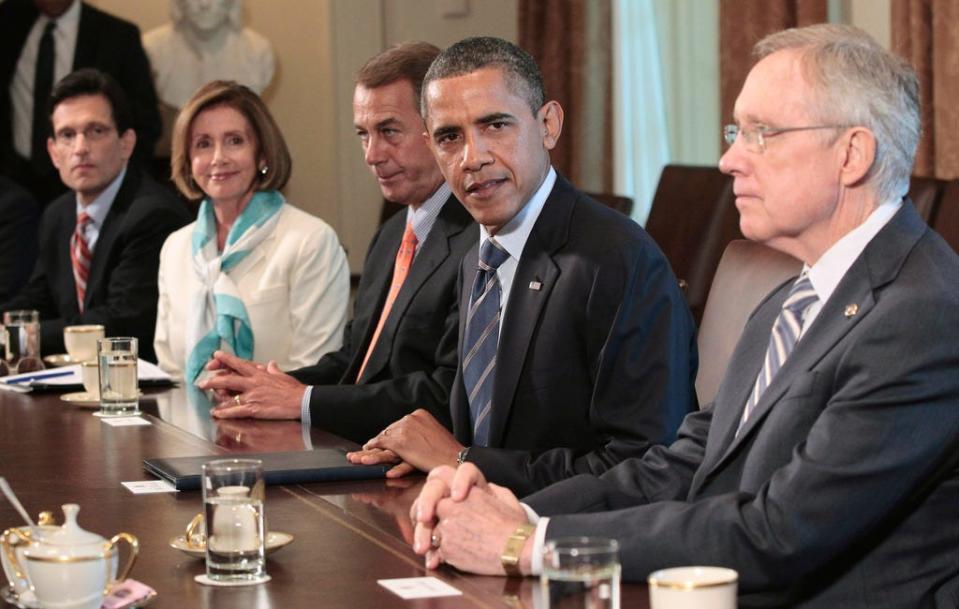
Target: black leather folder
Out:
[319,465]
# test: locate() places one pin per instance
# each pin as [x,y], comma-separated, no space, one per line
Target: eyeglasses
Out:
[754,138]
[93,132]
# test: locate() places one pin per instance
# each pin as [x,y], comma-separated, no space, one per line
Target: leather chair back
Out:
[746,273]
[692,218]
[925,194]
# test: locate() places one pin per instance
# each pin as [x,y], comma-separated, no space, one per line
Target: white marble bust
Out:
[206,41]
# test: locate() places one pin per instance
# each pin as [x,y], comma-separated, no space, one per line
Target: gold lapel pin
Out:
[535,285]
[851,309]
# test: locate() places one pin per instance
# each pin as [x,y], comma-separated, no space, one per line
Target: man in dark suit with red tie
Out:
[399,350]
[100,242]
[41,41]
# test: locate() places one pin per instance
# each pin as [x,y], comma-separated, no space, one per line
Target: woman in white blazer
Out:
[253,275]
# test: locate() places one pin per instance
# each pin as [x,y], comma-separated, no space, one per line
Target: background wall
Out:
[319,45]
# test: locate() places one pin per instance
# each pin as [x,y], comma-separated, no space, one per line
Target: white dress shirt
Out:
[99,208]
[513,235]
[21,85]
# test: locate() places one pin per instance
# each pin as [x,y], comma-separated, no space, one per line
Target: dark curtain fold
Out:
[571,40]
[925,33]
[743,23]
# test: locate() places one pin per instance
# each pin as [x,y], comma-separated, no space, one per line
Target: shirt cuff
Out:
[305,406]
[539,538]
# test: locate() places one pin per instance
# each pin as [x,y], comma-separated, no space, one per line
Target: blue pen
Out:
[39,377]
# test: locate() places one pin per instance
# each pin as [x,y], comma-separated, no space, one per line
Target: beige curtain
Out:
[743,23]
[571,41]
[925,32]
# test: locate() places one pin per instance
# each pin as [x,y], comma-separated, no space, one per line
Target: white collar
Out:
[514,234]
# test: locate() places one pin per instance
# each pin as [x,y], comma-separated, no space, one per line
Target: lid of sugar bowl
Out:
[68,540]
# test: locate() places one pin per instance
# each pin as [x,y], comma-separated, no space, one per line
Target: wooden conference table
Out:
[347,535]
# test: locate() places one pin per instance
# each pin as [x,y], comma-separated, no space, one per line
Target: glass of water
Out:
[581,572]
[119,395]
[233,492]
[21,341]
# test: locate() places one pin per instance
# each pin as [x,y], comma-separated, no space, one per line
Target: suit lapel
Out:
[109,233]
[738,384]
[459,404]
[876,266]
[87,39]
[434,251]
[381,275]
[526,303]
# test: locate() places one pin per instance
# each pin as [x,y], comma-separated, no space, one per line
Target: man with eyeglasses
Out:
[826,471]
[99,243]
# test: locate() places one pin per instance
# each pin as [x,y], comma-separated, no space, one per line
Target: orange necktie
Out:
[401,268]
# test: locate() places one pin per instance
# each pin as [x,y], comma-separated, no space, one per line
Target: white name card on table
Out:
[418,587]
[125,421]
[143,487]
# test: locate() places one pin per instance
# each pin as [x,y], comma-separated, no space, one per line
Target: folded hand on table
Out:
[417,441]
[248,389]
[465,521]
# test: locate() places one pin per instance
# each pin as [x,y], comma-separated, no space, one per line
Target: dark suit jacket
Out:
[105,42]
[413,363]
[122,285]
[594,366]
[19,219]
[842,488]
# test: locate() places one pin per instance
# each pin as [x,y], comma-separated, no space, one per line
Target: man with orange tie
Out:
[100,242]
[399,350]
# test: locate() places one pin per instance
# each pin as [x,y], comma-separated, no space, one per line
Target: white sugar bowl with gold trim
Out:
[71,568]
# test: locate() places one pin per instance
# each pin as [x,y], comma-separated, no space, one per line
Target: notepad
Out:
[319,465]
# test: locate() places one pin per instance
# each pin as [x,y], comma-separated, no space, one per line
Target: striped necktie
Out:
[785,335]
[481,339]
[401,268]
[80,256]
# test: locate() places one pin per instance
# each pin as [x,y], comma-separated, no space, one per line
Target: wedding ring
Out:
[435,540]
[386,431]
[237,400]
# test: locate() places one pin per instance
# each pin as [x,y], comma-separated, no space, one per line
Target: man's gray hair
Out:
[471,54]
[859,83]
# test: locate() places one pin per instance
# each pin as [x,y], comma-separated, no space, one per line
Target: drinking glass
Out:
[233,492]
[118,377]
[581,572]
[21,340]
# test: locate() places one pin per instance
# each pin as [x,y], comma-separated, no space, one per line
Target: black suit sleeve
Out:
[360,412]
[19,221]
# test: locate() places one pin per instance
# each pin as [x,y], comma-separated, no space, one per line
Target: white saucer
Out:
[81,398]
[206,581]
[275,540]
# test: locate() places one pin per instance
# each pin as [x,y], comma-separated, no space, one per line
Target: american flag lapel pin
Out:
[535,285]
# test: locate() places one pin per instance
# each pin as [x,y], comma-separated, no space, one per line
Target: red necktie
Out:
[401,268]
[80,257]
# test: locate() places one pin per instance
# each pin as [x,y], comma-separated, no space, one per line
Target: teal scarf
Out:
[218,317]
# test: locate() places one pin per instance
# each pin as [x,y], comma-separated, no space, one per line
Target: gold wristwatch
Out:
[514,547]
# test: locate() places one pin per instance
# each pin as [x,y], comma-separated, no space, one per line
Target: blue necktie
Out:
[482,336]
[783,339]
